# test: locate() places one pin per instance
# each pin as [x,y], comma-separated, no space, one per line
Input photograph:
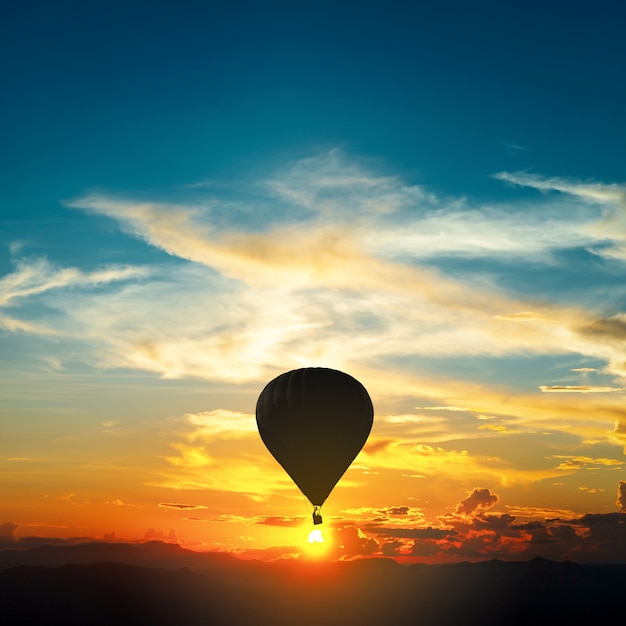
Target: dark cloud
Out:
[474,534]
[606,327]
[391,548]
[377,445]
[425,549]
[397,510]
[391,511]
[495,523]
[604,528]
[7,532]
[152,535]
[181,507]
[536,532]
[35,542]
[351,542]
[478,499]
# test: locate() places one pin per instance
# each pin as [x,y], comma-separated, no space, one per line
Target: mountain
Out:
[158,584]
[149,554]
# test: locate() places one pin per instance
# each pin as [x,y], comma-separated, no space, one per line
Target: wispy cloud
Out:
[598,192]
[36,276]
[580,389]
[181,507]
[608,231]
[346,262]
[13,325]
[584,462]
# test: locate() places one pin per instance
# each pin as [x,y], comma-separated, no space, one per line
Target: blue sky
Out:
[197,197]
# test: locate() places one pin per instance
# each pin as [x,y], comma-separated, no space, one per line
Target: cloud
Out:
[274,520]
[375,445]
[350,541]
[385,515]
[607,236]
[293,256]
[499,428]
[33,277]
[590,191]
[530,412]
[158,535]
[621,496]
[118,502]
[396,510]
[7,532]
[608,328]
[330,184]
[536,512]
[478,499]
[220,423]
[13,325]
[373,259]
[331,261]
[592,538]
[206,460]
[456,409]
[584,462]
[181,507]
[36,279]
[618,435]
[448,462]
[221,450]
[580,389]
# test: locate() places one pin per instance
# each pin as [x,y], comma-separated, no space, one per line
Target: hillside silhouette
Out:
[158,584]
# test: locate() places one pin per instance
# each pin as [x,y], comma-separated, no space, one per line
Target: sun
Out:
[317,544]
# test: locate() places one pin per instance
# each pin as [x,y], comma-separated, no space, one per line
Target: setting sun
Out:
[317,546]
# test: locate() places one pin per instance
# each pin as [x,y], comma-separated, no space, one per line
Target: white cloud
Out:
[36,276]
[596,192]
[341,280]
[210,425]
[14,325]
[606,233]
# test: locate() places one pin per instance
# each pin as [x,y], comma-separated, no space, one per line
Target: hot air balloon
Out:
[314,421]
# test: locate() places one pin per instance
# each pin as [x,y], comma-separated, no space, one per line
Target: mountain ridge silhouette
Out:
[163,584]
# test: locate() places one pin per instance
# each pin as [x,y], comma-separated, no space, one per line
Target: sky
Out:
[197,197]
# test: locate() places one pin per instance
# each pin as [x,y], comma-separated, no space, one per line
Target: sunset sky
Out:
[196,197]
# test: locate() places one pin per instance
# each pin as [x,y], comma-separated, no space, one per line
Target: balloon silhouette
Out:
[314,421]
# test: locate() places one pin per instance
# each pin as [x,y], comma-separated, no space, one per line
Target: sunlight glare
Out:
[315,536]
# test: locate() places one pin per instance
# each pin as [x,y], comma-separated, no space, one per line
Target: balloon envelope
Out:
[314,421]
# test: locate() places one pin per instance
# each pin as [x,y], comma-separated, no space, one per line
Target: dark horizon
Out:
[156,584]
